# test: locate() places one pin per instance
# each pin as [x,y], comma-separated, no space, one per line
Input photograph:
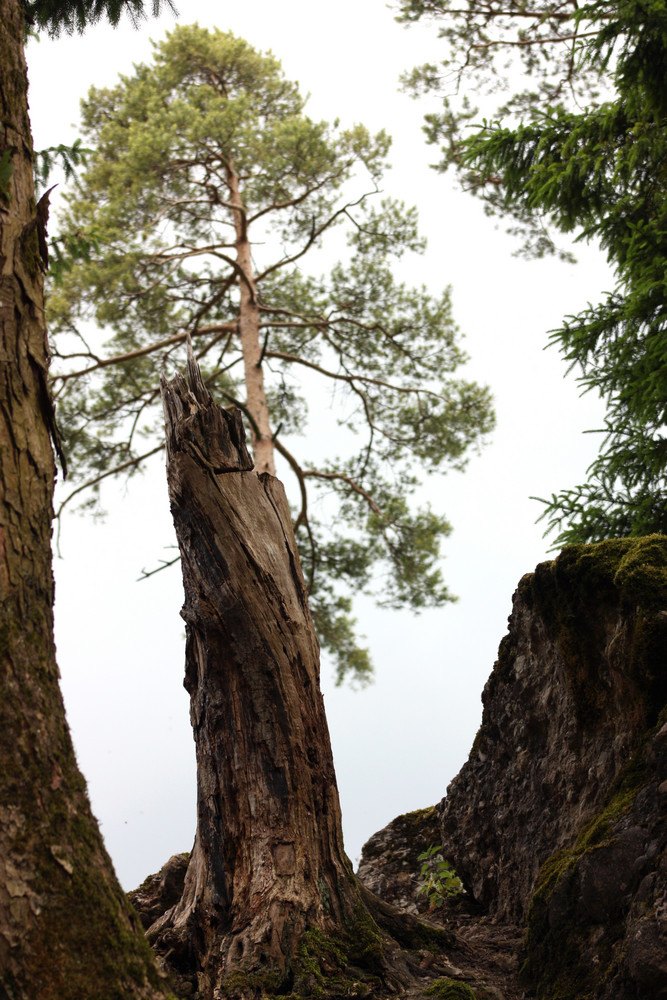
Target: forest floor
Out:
[484,955]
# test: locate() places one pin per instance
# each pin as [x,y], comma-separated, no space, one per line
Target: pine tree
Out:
[501,61]
[207,191]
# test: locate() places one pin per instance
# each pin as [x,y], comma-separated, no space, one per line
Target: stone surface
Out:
[557,823]
[579,679]
[598,923]
[158,893]
[390,865]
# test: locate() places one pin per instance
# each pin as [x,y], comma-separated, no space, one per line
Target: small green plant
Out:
[439,880]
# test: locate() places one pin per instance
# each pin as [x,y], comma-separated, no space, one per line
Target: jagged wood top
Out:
[215,436]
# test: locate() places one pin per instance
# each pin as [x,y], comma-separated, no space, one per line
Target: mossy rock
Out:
[558,934]
[413,832]
[450,989]
[570,594]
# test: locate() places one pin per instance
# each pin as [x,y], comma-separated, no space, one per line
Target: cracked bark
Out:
[66,929]
[268,862]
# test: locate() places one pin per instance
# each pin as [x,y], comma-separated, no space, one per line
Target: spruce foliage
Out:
[601,173]
[56,16]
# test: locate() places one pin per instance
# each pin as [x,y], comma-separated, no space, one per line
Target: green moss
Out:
[424,936]
[415,831]
[320,967]
[326,966]
[571,594]
[365,944]
[87,914]
[30,255]
[324,895]
[450,989]
[238,983]
[413,823]
[84,942]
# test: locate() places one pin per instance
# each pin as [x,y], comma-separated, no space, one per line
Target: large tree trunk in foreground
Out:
[269,888]
[66,931]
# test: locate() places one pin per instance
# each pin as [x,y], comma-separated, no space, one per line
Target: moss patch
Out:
[333,966]
[365,946]
[238,983]
[424,936]
[82,939]
[326,966]
[416,825]
[413,832]
[450,989]
[571,593]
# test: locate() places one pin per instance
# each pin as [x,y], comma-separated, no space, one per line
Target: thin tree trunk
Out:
[66,930]
[251,347]
[268,882]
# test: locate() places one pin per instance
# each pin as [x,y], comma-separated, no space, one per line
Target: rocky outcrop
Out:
[158,893]
[557,823]
[597,925]
[480,958]
[579,680]
[390,865]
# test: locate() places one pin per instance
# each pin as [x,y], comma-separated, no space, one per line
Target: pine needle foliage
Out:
[203,151]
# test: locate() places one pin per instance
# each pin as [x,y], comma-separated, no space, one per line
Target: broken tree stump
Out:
[270,901]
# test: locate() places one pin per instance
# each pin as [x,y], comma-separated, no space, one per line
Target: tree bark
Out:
[268,881]
[66,929]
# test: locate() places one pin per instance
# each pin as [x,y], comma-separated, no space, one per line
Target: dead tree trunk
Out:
[270,901]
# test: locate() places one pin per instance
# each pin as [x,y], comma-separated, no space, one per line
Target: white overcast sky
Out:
[398,743]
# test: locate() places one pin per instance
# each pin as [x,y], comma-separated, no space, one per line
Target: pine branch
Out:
[117,359]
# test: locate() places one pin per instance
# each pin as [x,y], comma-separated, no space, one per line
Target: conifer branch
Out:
[354,486]
[140,352]
[315,233]
[352,379]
